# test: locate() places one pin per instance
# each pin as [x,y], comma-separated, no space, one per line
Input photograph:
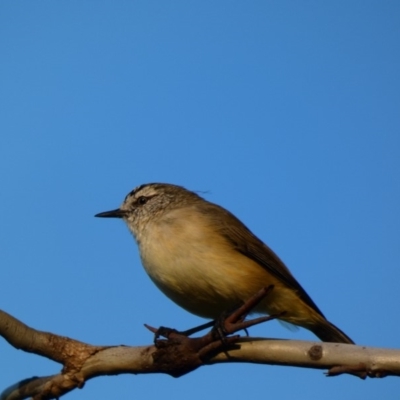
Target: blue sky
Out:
[286,113]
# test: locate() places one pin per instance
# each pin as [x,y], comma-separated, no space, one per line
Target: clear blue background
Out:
[286,113]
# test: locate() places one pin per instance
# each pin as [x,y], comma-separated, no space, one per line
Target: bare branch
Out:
[337,358]
[179,355]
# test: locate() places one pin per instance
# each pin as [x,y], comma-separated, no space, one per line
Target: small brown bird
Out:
[207,261]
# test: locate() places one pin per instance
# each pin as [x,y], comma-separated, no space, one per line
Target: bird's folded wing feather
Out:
[245,242]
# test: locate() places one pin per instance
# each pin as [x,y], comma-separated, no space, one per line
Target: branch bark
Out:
[178,356]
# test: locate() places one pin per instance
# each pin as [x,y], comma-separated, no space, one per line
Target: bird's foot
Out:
[225,325]
[162,331]
[185,354]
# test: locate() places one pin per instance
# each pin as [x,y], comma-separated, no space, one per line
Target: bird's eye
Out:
[142,200]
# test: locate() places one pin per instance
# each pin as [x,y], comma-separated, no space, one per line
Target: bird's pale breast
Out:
[197,268]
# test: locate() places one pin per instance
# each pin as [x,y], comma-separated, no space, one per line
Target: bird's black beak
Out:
[117,213]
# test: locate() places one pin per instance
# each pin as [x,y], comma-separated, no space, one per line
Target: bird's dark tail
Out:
[328,332]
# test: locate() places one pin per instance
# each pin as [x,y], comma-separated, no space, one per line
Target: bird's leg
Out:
[235,321]
[163,331]
[199,328]
[227,324]
[180,354]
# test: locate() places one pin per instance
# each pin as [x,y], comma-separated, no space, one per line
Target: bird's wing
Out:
[246,243]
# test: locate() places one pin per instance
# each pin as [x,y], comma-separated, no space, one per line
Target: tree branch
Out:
[179,355]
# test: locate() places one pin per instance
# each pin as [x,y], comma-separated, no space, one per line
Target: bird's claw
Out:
[190,353]
[226,325]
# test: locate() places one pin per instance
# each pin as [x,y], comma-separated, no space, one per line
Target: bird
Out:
[207,261]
